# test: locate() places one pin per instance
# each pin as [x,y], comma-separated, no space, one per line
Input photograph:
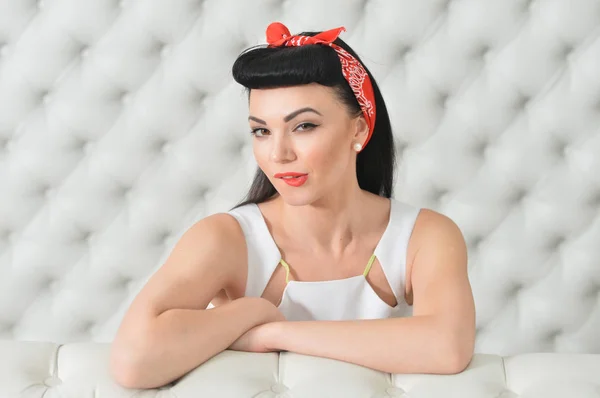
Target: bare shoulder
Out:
[431,223]
[204,261]
[434,234]
[218,236]
[225,236]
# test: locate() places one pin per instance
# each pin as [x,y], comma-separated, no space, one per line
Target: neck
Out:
[332,224]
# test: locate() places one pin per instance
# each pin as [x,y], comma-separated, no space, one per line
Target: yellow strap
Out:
[287,270]
[287,267]
[368,268]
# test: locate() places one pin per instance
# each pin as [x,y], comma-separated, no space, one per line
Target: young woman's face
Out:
[307,131]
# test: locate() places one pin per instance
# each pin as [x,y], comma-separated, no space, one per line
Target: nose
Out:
[281,149]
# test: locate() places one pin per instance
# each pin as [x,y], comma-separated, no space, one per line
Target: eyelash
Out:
[310,127]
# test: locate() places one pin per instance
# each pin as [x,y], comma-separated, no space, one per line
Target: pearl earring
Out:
[357,147]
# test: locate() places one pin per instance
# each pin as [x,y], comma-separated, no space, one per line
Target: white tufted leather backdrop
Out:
[120,126]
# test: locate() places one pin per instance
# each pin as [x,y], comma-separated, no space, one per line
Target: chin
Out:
[298,198]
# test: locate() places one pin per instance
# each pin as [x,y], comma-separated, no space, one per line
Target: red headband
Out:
[356,75]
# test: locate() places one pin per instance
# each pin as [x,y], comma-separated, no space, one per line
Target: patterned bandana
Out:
[279,35]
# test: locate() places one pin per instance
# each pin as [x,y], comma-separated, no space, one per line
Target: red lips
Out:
[289,174]
[292,178]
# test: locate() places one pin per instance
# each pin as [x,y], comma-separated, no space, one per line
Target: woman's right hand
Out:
[258,338]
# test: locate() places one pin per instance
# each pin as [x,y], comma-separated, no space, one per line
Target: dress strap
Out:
[287,270]
[263,253]
[393,246]
[369,264]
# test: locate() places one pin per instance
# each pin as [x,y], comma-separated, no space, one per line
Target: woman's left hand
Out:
[260,338]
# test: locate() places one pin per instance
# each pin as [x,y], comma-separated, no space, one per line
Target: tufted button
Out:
[125,98]
[85,52]
[123,282]
[200,97]
[12,236]
[444,100]
[553,335]
[163,237]
[441,196]
[483,51]
[567,52]
[519,195]
[87,147]
[3,50]
[481,147]
[515,289]
[522,102]
[556,242]
[594,199]
[487,55]
[87,326]
[52,381]
[165,147]
[165,49]
[200,191]
[122,3]
[561,148]
[476,242]
[7,329]
[46,98]
[125,191]
[47,282]
[394,392]
[400,146]
[49,192]
[402,51]
[7,236]
[131,285]
[53,284]
[246,151]
[89,237]
[8,145]
[41,4]
[278,388]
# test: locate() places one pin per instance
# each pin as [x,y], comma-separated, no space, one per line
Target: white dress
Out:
[342,299]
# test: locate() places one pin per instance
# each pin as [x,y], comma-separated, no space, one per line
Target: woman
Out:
[319,259]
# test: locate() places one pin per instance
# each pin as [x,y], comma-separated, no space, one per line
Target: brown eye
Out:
[306,126]
[257,132]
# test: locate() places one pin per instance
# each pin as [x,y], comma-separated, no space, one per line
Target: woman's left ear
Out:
[361,130]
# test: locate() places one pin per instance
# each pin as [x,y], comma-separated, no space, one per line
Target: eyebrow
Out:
[288,117]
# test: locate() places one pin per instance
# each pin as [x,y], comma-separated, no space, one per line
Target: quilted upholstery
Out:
[120,126]
[78,370]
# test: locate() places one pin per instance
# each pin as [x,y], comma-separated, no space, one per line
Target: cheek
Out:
[261,155]
[325,158]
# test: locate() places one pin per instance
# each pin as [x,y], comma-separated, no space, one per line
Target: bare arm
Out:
[439,338]
[168,331]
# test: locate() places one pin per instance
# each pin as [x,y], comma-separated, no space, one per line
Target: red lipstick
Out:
[292,178]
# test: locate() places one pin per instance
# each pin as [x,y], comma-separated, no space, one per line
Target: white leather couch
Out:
[120,126]
[79,370]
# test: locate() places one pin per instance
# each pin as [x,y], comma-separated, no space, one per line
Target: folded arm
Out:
[438,338]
